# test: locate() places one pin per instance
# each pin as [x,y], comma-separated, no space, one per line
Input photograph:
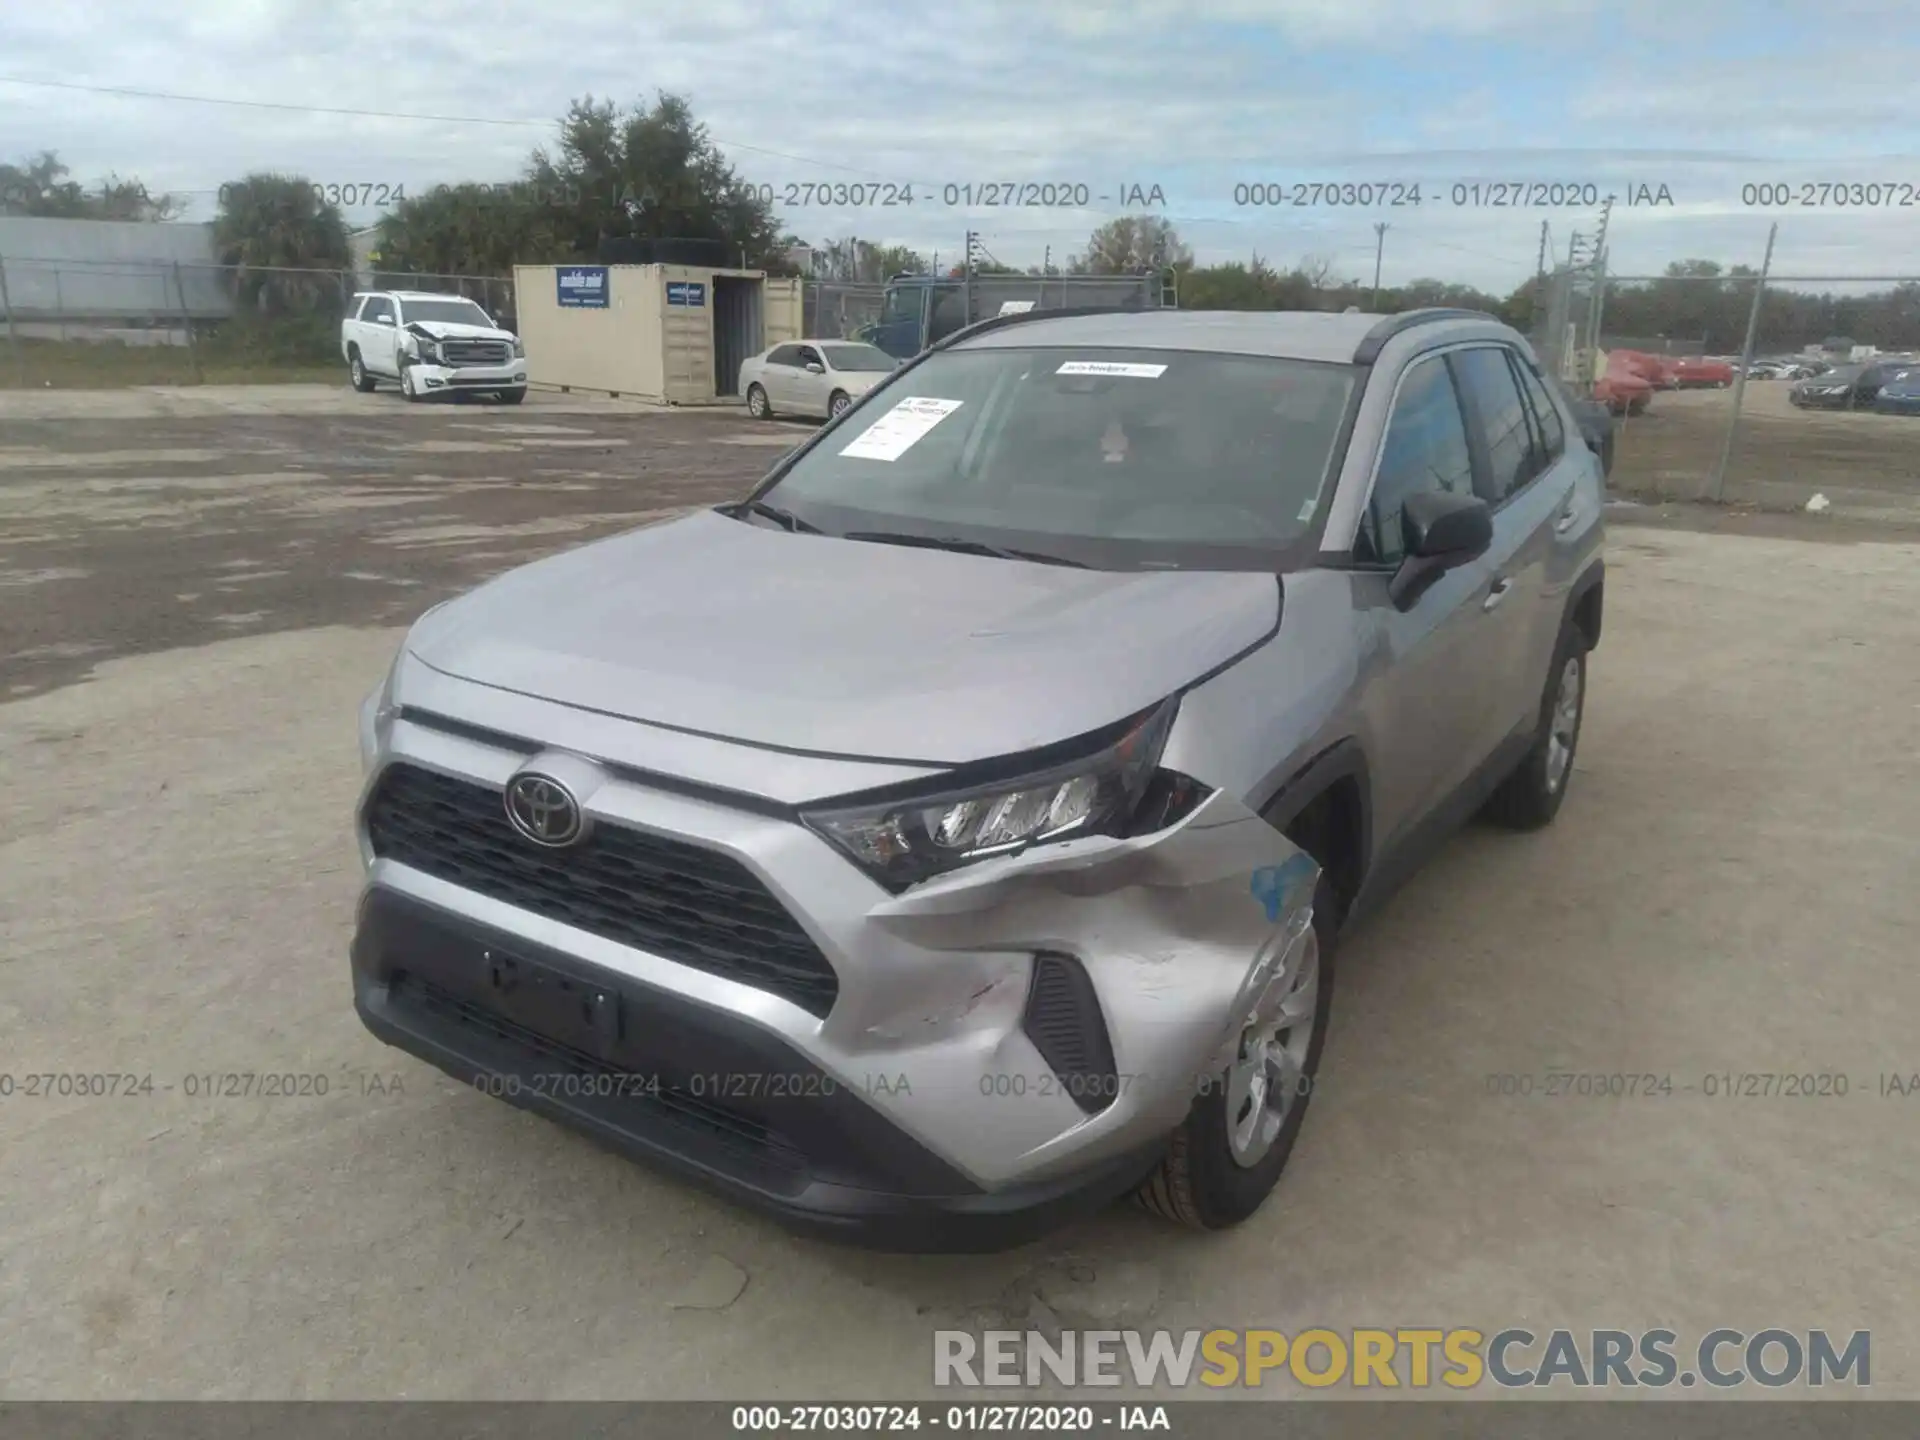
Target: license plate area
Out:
[568,1009]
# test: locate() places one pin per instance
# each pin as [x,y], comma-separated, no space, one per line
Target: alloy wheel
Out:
[1564,724]
[1266,1079]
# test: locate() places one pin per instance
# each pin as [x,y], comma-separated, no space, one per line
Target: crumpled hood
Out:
[842,647]
[451,330]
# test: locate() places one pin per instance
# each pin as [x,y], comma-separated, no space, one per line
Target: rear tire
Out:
[357,375]
[1201,1184]
[1530,797]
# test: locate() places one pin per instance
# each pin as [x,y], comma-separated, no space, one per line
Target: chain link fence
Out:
[1713,385]
[840,309]
[70,323]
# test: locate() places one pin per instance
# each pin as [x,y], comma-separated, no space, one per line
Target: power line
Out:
[132,93]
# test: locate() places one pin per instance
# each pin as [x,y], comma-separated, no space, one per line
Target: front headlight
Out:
[1116,790]
[426,350]
[519,348]
[376,714]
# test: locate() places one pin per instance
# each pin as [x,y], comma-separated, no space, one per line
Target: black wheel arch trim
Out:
[1342,760]
[1593,579]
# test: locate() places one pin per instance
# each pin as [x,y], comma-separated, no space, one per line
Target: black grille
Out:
[679,901]
[474,352]
[1063,1021]
[716,1122]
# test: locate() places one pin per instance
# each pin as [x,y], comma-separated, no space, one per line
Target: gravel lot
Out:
[1866,464]
[194,598]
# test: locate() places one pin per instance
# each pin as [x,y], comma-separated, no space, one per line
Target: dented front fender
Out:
[1179,932]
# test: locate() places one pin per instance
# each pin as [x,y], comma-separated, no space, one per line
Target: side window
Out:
[1549,433]
[1425,449]
[784,355]
[1487,379]
[810,356]
[379,310]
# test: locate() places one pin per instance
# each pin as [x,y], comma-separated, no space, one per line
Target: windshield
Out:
[858,357]
[445,312]
[1118,458]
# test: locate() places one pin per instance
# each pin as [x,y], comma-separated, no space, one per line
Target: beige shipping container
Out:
[672,334]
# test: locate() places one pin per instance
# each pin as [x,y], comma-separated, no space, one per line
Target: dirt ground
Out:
[193,606]
[1864,463]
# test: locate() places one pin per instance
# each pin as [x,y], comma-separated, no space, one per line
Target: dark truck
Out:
[920,310]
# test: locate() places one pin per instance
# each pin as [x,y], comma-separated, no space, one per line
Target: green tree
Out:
[471,229]
[1131,245]
[649,173]
[282,240]
[40,186]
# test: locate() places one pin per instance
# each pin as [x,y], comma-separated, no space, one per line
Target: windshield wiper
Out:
[961,547]
[780,517]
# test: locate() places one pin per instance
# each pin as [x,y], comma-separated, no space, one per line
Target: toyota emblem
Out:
[544,810]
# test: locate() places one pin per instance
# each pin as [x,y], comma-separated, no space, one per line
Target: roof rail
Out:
[996,322]
[1376,339]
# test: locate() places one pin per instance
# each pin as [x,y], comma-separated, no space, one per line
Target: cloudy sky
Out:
[1198,97]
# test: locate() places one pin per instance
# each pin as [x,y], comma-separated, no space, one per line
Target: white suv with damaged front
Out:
[431,345]
[959,830]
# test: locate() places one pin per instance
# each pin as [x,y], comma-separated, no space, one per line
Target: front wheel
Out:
[1530,797]
[406,383]
[513,397]
[1227,1155]
[357,374]
[837,404]
[757,405]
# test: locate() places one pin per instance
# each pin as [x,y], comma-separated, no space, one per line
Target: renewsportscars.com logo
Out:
[1410,1358]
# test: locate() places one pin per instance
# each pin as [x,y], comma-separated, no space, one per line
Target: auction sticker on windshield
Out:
[897,431]
[1111,367]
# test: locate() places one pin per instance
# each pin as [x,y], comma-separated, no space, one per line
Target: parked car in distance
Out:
[430,345]
[812,377]
[1900,394]
[958,831]
[1851,386]
[1695,373]
[1622,388]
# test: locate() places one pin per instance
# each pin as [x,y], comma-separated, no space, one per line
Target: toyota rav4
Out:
[957,832]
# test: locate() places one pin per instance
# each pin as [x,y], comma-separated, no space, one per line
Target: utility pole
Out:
[1746,360]
[966,282]
[1540,265]
[1379,250]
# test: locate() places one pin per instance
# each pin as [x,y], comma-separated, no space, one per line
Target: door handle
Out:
[1498,593]
[1563,522]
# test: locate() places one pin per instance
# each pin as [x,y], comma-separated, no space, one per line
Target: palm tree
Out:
[278,234]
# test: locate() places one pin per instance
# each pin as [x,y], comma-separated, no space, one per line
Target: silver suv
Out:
[955,833]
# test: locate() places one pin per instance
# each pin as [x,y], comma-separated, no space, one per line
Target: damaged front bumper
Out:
[1004,1045]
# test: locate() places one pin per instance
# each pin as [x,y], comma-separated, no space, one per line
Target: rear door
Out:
[1527,476]
[777,375]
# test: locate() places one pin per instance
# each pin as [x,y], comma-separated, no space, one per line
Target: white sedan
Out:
[812,377]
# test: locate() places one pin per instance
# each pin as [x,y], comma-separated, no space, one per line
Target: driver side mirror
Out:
[814,367]
[1440,531]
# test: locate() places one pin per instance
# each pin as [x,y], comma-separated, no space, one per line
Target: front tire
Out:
[513,397]
[357,374]
[757,405]
[1227,1155]
[406,383]
[837,404]
[1530,797]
